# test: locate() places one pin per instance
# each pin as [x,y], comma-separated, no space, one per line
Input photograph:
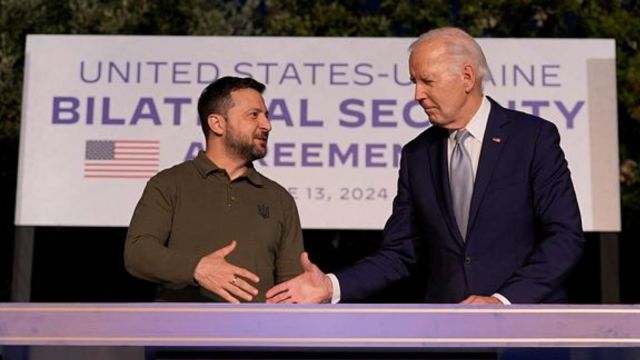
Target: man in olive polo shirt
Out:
[213,228]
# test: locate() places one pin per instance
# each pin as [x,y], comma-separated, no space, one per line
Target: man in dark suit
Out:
[485,197]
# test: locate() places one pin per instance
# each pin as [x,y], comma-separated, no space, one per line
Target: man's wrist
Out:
[195,273]
[335,288]
[328,285]
[503,299]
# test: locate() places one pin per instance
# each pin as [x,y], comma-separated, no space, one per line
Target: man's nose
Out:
[418,92]
[265,123]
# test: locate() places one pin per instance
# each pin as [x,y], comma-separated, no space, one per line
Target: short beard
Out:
[244,150]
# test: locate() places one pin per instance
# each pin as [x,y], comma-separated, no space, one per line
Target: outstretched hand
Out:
[231,282]
[310,287]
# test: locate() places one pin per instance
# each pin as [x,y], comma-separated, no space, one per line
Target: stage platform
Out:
[349,330]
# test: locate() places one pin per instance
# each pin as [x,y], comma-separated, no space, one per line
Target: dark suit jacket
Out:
[524,232]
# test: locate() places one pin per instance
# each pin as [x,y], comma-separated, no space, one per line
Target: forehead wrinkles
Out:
[429,55]
[245,98]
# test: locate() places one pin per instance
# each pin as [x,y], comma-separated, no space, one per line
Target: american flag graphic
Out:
[121,159]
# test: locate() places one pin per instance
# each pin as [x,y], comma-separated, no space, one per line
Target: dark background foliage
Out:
[84,264]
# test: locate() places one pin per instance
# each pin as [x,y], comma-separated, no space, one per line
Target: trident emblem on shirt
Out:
[263,210]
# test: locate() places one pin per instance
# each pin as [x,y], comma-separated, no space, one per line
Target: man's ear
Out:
[217,124]
[469,77]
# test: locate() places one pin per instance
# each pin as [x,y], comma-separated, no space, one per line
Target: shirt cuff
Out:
[335,284]
[502,299]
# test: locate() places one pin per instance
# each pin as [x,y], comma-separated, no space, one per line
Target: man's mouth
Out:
[429,109]
[426,107]
[264,138]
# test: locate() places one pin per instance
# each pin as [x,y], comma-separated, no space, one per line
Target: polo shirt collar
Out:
[205,167]
[253,175]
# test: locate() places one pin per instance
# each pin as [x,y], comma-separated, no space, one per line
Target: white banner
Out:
[103,113]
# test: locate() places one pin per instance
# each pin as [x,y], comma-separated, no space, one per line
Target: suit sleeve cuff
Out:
[335,298]
[502,299]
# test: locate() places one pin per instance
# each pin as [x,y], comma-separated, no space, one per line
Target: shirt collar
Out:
[205,167]
[478,124]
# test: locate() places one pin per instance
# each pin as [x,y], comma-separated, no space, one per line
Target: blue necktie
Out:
[461,181]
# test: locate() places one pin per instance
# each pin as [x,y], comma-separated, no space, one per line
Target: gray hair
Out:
[460,45]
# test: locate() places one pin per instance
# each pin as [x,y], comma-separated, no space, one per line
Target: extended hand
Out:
[214,273]
[310,287]
[481,300]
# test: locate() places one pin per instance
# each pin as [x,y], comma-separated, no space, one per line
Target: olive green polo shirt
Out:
[193,209]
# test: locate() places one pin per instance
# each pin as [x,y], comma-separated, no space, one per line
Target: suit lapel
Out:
[440,176]
[495,137]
